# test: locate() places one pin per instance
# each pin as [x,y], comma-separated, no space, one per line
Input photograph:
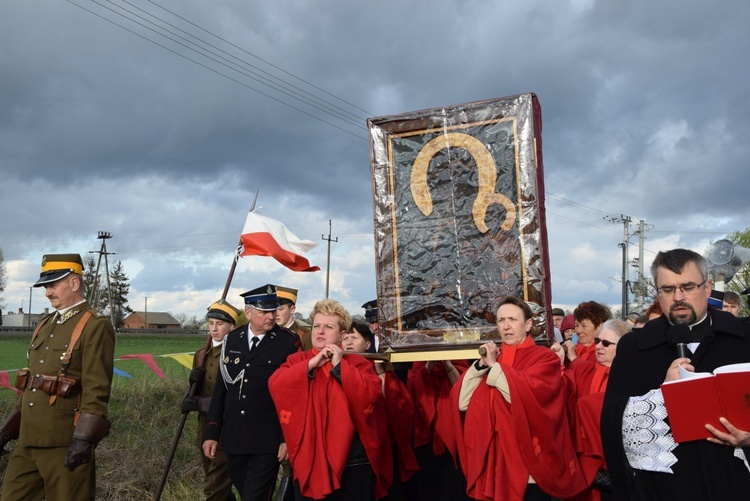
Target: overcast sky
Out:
[106,124]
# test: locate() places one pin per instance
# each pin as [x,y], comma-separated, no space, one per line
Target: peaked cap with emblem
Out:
[263,298]
[286,295]
[221,310]
[57,266]
[371,310]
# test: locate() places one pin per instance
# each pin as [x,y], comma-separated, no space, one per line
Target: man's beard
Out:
[688,320]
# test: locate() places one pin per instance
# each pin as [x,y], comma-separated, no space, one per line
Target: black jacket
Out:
[704,471]
[244,409]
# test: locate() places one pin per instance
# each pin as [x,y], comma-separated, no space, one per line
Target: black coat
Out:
[244,410]
[704,471]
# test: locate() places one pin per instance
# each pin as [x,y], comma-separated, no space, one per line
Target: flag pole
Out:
[236,256]
[194,386]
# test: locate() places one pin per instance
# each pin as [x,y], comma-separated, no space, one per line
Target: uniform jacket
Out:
[304,334]
[703,470]
[91,362]
[206,387]
[244,410]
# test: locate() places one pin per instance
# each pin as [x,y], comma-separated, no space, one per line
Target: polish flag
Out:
[263,236]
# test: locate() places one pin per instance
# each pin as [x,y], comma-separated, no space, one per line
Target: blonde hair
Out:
[331,307]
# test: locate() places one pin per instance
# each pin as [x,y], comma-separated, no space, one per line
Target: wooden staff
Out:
[201,363]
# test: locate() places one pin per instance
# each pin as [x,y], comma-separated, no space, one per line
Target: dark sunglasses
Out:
[604,342]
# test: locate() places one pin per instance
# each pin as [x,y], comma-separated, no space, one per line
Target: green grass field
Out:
[145,412]
[13,348]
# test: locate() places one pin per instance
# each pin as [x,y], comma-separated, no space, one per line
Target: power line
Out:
[220,73]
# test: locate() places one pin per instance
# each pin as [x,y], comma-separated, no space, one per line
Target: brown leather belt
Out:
[51,385]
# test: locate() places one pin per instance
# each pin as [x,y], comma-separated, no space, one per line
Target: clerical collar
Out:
[699,330]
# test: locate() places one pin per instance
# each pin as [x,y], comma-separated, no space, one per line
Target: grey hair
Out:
[619,327]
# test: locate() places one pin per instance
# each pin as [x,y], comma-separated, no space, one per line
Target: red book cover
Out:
[701,399]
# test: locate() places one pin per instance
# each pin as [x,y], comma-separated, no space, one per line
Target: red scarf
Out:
[508,354]
[326,368]
[586,352]
[600,378]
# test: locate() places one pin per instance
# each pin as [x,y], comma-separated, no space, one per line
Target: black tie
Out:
[253,343]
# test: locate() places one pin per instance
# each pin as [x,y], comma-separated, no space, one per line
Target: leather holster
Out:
[91,428]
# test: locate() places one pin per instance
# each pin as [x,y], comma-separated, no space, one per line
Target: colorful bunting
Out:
[122,373]
[147,359]
[5,381]
[184,359]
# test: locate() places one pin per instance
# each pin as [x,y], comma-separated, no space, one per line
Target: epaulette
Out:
[288,332]
[96,313]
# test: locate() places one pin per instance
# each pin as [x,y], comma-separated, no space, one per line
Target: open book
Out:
[701,398]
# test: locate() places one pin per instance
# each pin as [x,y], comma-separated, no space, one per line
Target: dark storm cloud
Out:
[645,111]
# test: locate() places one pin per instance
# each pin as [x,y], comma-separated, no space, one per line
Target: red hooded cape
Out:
[493,434]
[585,382]
[319,416]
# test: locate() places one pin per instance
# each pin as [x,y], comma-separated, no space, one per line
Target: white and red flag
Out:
[263,236]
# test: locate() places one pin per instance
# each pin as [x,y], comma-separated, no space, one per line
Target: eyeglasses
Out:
[604,342]
[687,289]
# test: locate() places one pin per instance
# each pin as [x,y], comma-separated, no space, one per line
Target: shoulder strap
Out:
[73,340]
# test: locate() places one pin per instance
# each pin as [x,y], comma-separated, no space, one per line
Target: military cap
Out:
[716,299]
[221,310]
[558,312]
[57,266]
[286,295]
[371,310]
[263,298]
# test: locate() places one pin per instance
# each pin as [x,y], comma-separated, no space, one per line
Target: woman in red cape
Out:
[589,318]
[584,382]
[332,414]
[512,435]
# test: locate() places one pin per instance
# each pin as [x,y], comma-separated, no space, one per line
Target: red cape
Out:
[433,421]
[400,409]
[319,416]
[493,434]
[585,382]
[586,352]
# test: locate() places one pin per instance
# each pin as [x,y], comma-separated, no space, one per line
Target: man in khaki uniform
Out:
[222,318]
[62,412]
[285,315]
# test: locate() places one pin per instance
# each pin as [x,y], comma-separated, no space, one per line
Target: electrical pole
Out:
[625,220]
[93,293]
[328,262]
[640,291]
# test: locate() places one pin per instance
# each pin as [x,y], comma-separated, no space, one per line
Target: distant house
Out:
[150,320]
[22,319]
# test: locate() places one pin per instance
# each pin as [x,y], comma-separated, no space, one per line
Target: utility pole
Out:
[328,261]
[29,316]
[145,312]
[640,291]
[93,294]
[625,220]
